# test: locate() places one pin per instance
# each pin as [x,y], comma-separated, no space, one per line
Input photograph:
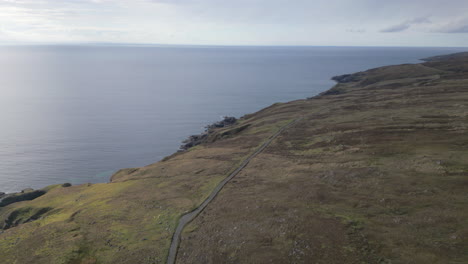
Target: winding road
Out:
[187,218]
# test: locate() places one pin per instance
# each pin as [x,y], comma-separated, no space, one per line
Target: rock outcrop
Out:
[195,140]
[347,78]
[19,197]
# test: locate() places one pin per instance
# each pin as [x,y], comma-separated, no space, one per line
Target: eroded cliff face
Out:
[375,172]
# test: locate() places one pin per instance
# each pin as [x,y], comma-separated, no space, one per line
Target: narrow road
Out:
[187,218]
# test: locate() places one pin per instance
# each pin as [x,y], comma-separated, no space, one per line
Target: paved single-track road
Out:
[187,218]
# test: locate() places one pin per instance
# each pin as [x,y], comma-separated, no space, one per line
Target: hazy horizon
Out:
[206,45]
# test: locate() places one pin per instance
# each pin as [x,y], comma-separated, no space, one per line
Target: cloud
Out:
[460,26]
[397,28]
[405,25]
[240,22]
[356,30]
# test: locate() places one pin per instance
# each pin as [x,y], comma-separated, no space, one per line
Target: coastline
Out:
[227,121]
[110,141]
[360,165]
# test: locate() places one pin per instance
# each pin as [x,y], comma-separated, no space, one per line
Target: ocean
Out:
[79,113]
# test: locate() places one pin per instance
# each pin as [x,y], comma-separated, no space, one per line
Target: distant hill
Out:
[456,56]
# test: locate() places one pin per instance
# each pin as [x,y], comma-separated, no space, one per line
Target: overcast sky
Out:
[237,22]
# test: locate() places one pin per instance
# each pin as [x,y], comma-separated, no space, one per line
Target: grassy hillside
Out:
[375,172]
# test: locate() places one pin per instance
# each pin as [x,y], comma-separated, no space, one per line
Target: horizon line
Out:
[206,45]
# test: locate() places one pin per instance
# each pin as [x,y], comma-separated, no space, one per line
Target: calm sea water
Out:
[78,113]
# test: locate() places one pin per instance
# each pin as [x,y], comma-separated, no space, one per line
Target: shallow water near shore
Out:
[78,113]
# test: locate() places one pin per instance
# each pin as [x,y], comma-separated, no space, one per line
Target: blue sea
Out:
[78,113]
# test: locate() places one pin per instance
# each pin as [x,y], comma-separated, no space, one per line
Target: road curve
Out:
[187,218]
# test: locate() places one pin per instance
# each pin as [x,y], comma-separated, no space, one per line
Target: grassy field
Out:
[132,218]
[375,172]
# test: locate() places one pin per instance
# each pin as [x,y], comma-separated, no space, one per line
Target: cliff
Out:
[374,171]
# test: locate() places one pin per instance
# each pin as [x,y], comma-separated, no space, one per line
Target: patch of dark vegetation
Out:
[67,184]
[230,132]
[81,255]
[334,91]
[420,127]
[122,172]
[170,156]
[72,217]
[437,116]
[24,215]
[347,78]
[235,130]
[359,239]
[195,140]
[19,197]
[227,121]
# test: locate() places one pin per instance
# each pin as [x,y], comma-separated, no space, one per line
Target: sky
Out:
[237,22]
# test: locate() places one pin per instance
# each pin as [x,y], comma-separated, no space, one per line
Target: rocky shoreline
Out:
[195,140]
[27,194]
[192,141]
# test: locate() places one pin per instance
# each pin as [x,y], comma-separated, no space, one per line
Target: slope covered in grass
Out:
[375,172]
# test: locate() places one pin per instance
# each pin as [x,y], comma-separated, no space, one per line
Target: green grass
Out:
[376,174]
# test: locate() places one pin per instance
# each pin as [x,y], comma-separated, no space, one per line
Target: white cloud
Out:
[406,25]
[254,22]
[457,26]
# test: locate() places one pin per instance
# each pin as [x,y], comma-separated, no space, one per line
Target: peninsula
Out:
[374,170]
